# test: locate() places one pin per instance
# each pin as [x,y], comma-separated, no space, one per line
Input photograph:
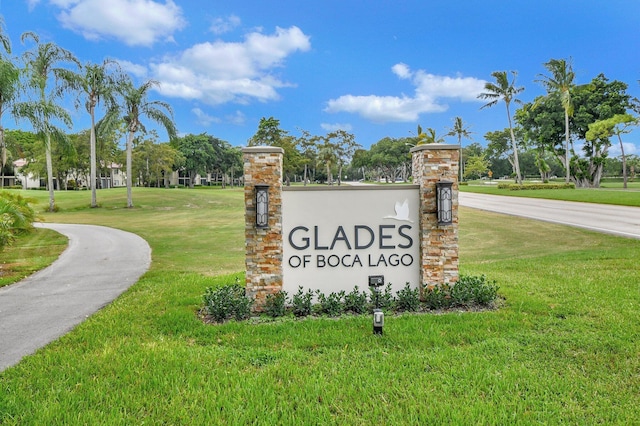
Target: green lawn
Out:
[614,194]
[564,348]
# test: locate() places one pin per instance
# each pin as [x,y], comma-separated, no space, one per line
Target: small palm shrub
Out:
[16,216]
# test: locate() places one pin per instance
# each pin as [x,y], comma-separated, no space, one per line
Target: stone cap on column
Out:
[433,146]
[262,150]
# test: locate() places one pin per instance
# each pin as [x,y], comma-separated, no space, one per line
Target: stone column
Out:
[438,243]
[263,258]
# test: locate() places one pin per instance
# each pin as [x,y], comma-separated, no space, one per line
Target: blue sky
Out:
[374,68]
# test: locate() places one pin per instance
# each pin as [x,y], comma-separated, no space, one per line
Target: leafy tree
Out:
[560,83]
[309,151]
[198,153]
[94,84]
[460,130]
[390,157]
[500,146]
[153,162]
[344,145]
[269,133]
[136,107]
[41,64]
[617,125]
[477,166]
[545,124]
[504,90]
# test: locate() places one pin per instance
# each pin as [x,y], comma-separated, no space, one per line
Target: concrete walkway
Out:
[99,264]
[623,221]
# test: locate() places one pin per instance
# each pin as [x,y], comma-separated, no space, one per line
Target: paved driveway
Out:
[99,264]
[617,220]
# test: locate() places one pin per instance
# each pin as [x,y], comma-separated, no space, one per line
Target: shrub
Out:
[16,216]
[301,303]
[355,301]
[382,299]
[535,186]
[275,304]
[331,305]
[483,292]
[468,291]
[436,297]
[408,299]
[228,301]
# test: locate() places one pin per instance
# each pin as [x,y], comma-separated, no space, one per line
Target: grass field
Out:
[564,348]
[606,195]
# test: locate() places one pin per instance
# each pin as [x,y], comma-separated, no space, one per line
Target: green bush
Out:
[331,305]
[227,302]
[408,299]
[356,301]
[437,297]
[536,186]
[16,216]
[302,303]
[483,292]
[468,291]
[382,299]
[275,304]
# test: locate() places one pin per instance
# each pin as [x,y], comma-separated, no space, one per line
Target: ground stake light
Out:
[444,202]
[376,282]
[262,206]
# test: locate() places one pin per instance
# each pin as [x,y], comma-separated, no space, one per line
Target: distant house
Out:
[114,177]
[29,180]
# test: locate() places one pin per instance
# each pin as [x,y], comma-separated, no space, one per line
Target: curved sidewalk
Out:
[99,264]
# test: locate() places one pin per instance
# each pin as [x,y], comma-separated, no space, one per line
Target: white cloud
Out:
[629,149]
[332,127]
[220,72]
[238,118]
[430,89]
[224,25]
[204,118]
[32,4]
[131,68]
[134,22]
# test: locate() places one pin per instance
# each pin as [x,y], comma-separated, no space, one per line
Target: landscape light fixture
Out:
[444,202]
[262,206]
[375,283]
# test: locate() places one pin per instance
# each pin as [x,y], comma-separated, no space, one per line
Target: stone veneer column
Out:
[264,246]
[438,243]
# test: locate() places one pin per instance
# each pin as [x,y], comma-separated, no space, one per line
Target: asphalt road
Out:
[98,265]
[617,220]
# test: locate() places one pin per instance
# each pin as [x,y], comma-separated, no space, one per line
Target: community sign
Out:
[336,238]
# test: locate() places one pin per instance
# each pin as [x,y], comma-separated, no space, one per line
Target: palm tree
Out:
[96,84]
[9,78]
[40,66]
[559,83]
[136,106]
[460,130]
[504,90]
[428,137]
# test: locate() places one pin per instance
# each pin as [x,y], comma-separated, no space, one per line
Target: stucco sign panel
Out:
[335,239]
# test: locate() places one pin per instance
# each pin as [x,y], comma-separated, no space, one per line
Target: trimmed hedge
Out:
[535,186]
